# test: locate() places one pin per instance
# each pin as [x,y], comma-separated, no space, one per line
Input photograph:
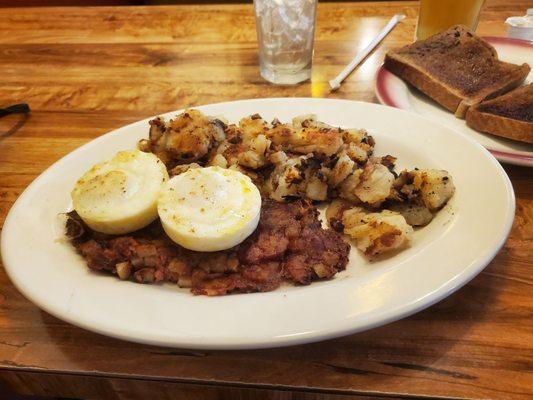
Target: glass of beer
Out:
[438,15]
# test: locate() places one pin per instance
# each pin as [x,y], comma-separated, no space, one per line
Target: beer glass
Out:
[438,15]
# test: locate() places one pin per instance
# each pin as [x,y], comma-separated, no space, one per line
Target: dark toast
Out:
[455,68]
[510,115]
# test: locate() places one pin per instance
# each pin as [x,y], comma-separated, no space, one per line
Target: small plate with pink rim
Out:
[394,92]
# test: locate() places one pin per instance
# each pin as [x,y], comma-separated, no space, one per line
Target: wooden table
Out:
[85,71]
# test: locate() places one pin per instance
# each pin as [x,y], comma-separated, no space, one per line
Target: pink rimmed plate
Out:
[394,92]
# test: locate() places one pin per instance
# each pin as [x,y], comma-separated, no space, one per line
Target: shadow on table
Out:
[10,124]
[521,178]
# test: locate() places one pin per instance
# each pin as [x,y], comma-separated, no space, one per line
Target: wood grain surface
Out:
[85,71]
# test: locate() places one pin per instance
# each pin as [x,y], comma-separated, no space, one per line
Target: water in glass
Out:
[285,31]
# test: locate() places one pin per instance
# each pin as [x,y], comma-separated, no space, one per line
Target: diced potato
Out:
[376,233]
[376,184]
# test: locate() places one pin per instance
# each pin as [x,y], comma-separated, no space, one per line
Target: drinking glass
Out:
[438,15]
[285,32]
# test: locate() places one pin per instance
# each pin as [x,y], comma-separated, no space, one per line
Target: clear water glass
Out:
[285,33]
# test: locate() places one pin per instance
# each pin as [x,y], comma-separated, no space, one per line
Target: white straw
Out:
[336,83]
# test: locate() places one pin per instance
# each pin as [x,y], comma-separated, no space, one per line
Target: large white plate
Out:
[392,91]
[445,255]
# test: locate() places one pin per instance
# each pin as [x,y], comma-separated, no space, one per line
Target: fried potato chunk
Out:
[432,187]
[306,136]
[376,233]
[414,214]
[185,139]
[242,147]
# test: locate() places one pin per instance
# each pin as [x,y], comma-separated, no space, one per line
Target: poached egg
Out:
[209,209]
[120,195]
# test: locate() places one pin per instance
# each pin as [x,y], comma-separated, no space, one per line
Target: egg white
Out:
[120,195]
[209,209]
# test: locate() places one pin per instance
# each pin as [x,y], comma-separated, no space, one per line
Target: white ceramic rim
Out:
[345,326]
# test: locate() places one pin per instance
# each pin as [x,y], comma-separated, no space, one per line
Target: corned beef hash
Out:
[225,208]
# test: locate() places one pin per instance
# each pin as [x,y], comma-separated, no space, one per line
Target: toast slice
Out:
[455,68]
[510,115]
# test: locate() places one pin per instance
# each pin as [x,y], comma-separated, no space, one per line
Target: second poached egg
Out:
[209,209]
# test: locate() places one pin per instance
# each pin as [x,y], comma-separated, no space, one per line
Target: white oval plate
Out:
[445,255]
[392,91]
